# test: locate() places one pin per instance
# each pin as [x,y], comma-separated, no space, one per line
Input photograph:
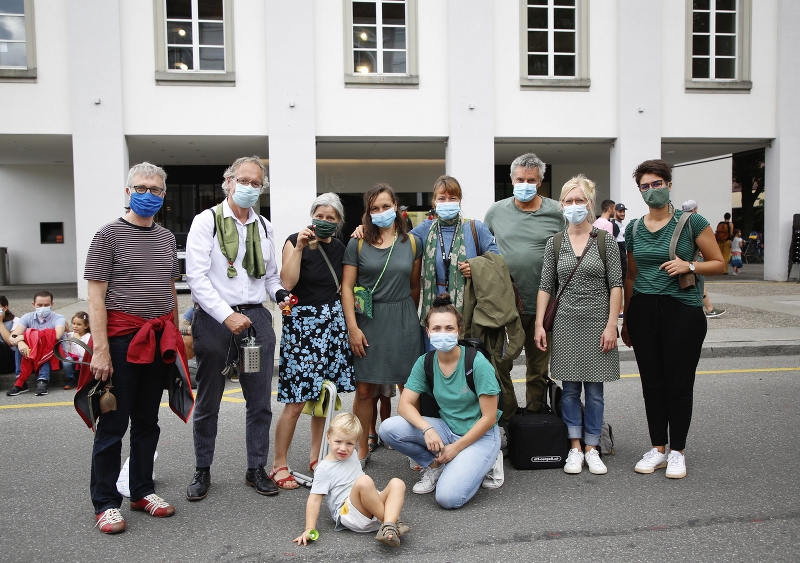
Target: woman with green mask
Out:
[664,320]
[314,343]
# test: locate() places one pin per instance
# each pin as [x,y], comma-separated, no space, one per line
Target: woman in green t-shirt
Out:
[457,450]
[665,324]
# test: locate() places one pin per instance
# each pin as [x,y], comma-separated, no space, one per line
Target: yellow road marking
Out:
[239,389]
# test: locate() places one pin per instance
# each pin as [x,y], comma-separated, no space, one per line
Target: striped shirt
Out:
[139,264]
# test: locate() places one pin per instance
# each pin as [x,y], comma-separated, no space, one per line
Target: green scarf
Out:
[228,237]
[459,253]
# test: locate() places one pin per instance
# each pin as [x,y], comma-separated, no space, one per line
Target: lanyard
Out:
[446,257]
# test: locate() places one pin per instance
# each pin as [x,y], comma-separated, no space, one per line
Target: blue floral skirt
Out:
[314,347]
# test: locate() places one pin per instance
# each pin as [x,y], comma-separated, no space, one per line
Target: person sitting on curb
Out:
[9,356]
[33,326]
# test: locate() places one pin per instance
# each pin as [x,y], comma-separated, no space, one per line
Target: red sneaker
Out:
[155,505]
[110,521]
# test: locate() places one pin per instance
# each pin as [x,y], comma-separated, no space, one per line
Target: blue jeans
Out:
[44,371]
[69,372]
[590,424]
[463,475]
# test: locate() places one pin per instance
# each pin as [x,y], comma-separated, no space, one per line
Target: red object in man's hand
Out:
[287,309]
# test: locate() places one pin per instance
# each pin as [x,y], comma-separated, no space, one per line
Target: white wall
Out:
[599,174]
[48,198]
[708,183]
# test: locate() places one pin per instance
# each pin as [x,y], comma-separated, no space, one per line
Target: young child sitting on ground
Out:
[80,330]
[353,500]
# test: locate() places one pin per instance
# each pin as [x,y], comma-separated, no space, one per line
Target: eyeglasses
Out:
[243,182]
[658,184]
[575,202]
[152,189]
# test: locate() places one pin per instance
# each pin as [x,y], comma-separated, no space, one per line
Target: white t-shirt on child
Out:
[76,352]
[335,479]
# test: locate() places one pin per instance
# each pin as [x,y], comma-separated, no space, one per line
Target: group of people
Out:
[353,320]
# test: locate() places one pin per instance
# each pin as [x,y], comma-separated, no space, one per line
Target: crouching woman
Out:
[457,450]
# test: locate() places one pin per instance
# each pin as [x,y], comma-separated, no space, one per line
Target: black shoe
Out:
[41,387]
[258,479]
[14,391]
[198,488]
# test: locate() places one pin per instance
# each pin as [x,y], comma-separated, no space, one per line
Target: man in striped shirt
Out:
[131,267]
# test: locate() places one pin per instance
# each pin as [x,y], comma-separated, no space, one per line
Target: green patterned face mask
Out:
[656,198]
[324,229]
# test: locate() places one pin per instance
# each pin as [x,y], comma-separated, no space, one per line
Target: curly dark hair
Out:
[657,167]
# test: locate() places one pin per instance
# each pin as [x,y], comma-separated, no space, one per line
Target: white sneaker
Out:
[429,478]
[676,465]
[574,462]
[594,463]
[496,477]
[123,481]
[651,461]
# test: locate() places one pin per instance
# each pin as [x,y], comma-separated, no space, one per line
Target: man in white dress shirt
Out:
[231,269]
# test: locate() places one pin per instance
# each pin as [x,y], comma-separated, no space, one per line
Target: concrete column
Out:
[99,149]
[782,198]
[469,156]
[291,114]
[638,97]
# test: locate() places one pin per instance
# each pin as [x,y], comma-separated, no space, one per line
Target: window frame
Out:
[410,79]
[581,80]
[164,76]
[29,73]
[743,82]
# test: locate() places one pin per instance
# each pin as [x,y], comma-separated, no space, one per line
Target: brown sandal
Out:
[282,482]
[402,528]
[388,529]
[313,465]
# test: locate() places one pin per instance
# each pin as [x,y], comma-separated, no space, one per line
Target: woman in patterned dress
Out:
[314,343]
[585,329]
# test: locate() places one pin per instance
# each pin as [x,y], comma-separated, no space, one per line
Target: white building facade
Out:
[339,94]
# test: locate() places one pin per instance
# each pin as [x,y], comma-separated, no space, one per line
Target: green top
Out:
[458,405]
[652,249]
[521,237]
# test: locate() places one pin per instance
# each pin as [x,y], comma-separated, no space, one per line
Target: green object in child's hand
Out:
[313,535]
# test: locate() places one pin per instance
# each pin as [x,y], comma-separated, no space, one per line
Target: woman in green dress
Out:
[387,264]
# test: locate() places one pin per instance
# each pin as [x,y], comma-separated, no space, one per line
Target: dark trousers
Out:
[213,350]
[138,389]
[623,259]
[667,338]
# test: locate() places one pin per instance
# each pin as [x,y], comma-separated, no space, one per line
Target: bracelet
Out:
[428,428]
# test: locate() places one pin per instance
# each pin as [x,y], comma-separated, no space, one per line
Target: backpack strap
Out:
[413,245]
[475,238]
[601,245]
[558,238]
[429,368]
[360,244]
[469,360]
[673,243]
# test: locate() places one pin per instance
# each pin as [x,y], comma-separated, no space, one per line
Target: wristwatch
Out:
[691,266]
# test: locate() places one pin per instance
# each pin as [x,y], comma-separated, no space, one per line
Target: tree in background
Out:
[748,172]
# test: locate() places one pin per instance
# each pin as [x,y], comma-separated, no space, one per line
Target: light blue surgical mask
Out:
[245,196]
[443,341]
[447,210]
[385,219]
[575,214]
[524,192]
[42,312]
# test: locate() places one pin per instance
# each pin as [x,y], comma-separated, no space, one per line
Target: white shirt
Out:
[207,268]
[621,235]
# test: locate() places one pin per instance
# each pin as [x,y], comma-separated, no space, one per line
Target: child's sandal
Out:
[388,529]
[373,442]
[402,528]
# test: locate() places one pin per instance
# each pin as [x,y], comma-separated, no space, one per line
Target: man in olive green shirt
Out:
[521,225]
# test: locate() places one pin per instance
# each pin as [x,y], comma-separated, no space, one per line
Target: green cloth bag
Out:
[320,406]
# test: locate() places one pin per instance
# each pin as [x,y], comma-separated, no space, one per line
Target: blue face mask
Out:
[385,219]
[524,192]
[448,210]
[245,196]
[44,312]
[575,214]
[443,341]
[146,204]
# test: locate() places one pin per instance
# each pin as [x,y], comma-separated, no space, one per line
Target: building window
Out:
[381,42]
[554,40]
[194,42]
[718,38]
[17,46]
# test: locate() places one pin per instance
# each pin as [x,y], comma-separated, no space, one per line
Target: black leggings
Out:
[667,338]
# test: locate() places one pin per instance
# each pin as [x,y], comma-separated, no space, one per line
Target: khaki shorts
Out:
[352,519]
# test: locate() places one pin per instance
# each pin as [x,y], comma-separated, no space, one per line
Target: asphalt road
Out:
[739,502]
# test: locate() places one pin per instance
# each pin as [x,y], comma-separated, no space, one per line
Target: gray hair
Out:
[529,161]
[329,199]
[146,170]
[234,168]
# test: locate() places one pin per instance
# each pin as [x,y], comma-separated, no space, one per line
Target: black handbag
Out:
[538,440]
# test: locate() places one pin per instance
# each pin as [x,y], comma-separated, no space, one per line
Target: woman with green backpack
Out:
[380,297]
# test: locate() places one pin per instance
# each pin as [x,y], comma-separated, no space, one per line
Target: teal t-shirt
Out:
[650,250]
[458,405]
[521,237]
